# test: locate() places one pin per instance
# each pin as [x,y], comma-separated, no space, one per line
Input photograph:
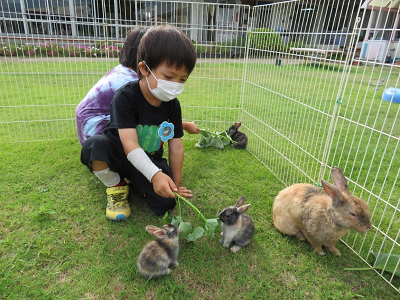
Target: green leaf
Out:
[387,262]
[176,221]
[213,139]
[216,142]
[196,234]
[211,225]
[384,261]
[185,228]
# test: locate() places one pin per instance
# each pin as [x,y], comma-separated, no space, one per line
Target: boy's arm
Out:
[176,153]
[162,183]
[190,127]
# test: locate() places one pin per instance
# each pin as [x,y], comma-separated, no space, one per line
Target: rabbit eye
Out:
[352,214]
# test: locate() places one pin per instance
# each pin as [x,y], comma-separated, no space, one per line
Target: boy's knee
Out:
[161,205]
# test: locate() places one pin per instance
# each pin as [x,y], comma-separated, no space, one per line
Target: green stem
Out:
[357,269]
[192,206]
[229,138]
[179,208]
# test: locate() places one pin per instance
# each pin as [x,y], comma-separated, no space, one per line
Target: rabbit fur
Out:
[237,227]
[158,255]
[238,136]
[319,216]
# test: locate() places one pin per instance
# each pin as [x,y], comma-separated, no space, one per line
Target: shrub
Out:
[267,39]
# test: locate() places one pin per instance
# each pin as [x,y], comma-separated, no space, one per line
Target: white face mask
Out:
[165,90]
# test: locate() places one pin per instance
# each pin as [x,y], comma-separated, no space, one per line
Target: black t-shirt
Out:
[129,109]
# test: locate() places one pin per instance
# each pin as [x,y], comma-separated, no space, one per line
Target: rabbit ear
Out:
[339,179]
[151,229]
[242,209]
[237,125]
[335,194]
[160,233]
[240,201]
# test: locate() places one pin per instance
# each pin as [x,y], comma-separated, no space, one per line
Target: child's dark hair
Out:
[166,43]
[128,53]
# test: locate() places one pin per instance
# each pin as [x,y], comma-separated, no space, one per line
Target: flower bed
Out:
[98,49]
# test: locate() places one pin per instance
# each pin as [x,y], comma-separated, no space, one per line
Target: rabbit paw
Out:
[334,250]
[300,236]
[175,264]
[320,251]
[224,243]
[235,248]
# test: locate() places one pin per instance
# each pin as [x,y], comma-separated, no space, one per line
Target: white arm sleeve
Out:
[142,162]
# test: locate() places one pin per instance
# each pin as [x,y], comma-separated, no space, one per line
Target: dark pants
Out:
[108,148]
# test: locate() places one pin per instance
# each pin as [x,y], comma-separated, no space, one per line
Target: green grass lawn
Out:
[76,253]
[285,110]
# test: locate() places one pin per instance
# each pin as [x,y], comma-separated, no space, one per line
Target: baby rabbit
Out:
[159,254]
[239,137]
[322,218]
[237,227]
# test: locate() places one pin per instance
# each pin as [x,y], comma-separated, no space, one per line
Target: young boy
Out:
[143,115]
[93,112]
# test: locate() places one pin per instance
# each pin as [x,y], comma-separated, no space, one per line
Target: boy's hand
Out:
[163,185]
[184,192]
[191,128]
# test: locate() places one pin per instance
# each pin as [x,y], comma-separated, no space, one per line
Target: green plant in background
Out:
[199,48]
[214,139]
[232,48]
[266,39]
[99,44]
[269,39]
[11,48]
[186,230]
[29,47]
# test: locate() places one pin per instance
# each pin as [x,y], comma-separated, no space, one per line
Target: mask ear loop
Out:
[150,71]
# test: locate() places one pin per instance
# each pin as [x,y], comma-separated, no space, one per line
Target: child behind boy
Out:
[93,112]
[143,115]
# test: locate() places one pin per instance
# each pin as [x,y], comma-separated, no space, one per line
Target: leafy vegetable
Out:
[387,262]
[186,230]
[196,234]
[214,139]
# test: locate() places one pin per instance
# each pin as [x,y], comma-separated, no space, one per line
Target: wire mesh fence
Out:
[311,101]
[47,72]
[313,83]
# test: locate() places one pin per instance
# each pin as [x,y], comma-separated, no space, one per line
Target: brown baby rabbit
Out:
[158,255]
[321,216]
[237,227]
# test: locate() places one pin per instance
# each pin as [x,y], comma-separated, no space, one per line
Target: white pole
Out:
[72,15]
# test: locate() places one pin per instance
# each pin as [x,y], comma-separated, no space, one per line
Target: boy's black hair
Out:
[128,53]
[166,43]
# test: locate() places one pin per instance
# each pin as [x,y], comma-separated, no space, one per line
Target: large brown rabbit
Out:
[322,218]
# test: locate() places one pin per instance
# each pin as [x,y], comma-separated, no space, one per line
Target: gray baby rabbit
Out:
[321,216]
[237,227]
[158,255]
[238,136]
